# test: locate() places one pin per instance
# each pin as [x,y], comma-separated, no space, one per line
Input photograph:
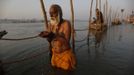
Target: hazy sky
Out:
[19,9]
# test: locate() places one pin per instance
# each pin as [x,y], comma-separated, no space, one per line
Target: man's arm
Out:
[45,34]
[67,30]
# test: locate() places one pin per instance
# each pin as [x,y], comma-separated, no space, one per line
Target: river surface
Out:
[110,53]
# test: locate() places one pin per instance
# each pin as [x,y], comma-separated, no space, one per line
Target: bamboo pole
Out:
[96,4]
[100,5]
[116,14]
[90,20]
[72,19]
[106,12]
[100,13]
[44,13]
[46,24]
[109,15]
[91,11]
[122,11]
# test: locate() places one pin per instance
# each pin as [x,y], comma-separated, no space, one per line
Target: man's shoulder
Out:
[66,22]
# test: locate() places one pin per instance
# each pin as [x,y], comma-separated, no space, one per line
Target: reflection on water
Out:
[109,53]
[99,36]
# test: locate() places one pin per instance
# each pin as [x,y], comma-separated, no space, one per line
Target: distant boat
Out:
[131,18]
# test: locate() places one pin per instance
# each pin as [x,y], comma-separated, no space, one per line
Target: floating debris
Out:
[2,33]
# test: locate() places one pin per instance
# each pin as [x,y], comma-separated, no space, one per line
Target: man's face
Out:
[53,12]
[54,16]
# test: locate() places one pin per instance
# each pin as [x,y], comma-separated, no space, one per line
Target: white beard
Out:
[55,21]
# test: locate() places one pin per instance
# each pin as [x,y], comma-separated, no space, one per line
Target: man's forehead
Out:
[53,10]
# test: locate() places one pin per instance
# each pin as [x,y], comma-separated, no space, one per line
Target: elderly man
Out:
[57,25]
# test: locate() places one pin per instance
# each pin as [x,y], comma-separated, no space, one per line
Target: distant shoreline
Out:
[20,21]
[28,21]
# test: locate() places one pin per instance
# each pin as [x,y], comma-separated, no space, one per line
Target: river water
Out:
[110,53]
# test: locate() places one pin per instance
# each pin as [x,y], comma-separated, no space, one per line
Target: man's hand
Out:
[44,34]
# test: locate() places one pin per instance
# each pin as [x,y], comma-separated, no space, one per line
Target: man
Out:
[99,16]
[57,25]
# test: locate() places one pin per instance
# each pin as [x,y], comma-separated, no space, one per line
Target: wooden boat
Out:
[130,19]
